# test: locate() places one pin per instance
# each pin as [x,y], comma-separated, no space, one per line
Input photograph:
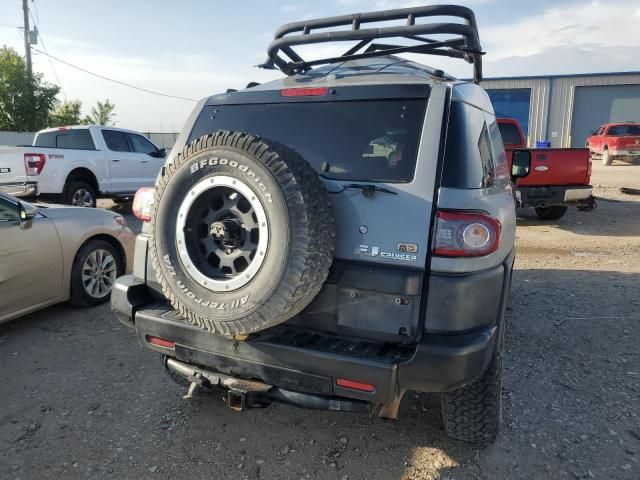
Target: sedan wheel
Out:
[98,273]
[97,265]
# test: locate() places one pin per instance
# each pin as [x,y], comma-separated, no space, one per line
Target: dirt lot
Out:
[80,399]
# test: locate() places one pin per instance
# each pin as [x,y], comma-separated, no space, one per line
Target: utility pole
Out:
[27,39]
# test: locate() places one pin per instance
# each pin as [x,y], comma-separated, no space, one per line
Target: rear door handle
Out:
[115,160]
[144,161]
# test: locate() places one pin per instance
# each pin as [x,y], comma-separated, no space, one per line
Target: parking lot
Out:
[81,399]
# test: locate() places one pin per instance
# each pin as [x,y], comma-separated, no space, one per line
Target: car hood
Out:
[63,212]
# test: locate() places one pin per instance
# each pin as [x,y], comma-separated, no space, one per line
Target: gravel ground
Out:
[80,399]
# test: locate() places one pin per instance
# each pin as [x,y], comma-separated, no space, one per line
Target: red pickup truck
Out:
[559,177]
[615,141]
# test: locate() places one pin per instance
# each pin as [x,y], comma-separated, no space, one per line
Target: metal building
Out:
[564,109]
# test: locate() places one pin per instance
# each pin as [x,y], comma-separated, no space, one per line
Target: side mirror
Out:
[160,153]
[520,163]
[26,211]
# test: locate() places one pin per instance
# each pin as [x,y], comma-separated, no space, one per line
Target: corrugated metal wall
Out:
[163,140]
[16,138]
[551,109]
[539,100]
[561,113]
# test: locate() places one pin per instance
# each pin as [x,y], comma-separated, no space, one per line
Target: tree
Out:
[66,113]
[101,114]
[24,104]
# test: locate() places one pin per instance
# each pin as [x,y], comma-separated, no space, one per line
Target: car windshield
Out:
[624,130]
[373,140]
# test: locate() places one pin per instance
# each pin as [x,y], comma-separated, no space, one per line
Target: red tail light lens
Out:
[462,234]
[143,203]
[353,385]
[34,163]
[160,342]
[304,92]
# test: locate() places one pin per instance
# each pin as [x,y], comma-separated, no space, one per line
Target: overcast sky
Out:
[195,48]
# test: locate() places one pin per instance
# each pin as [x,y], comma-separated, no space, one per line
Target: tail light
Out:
[353,385]
[160,342]
[34,163]
[304,92]
[464,234]
[143,202]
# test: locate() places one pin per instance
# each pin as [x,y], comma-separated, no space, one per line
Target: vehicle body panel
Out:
[36,256]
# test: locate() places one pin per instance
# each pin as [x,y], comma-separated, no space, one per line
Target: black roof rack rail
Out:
[463,41]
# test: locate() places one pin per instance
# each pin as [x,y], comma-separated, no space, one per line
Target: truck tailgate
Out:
[12,169]
[558,166]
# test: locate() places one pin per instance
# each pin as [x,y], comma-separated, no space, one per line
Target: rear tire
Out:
[79,194]
[473,413]
[551,213]
[606,158]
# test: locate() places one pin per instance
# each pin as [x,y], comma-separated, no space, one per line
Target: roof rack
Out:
[463,41]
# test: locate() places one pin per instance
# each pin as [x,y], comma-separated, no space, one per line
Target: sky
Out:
[195,48]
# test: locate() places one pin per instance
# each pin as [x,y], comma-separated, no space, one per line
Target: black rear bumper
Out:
[555,195]
[308,361]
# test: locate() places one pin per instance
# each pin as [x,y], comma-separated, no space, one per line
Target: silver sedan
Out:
[50,254]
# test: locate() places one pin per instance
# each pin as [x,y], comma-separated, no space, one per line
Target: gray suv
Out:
[340,236]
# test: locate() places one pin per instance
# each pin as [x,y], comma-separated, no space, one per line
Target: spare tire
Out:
[242,233]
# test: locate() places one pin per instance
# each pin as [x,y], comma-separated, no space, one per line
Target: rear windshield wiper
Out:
[368,190]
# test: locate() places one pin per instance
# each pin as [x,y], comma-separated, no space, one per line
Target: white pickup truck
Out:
[75,165]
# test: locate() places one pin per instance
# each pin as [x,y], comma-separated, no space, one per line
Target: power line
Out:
[36,21]
[115,81]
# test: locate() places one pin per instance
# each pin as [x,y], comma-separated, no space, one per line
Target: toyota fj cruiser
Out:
[339,236]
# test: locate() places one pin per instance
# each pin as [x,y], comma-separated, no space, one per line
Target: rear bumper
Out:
[621,152]
[21,189]
[308,361]
[552,195]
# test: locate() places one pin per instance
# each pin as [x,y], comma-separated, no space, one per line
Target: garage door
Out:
[594,106]
[512,103]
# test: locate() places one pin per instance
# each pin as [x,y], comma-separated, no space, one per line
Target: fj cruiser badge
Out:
[367,251]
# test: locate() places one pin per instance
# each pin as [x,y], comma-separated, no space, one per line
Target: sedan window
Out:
[8,212]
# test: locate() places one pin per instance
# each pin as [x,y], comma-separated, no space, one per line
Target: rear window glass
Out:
[360,140]
[79,139]
[620,130]
[510,134]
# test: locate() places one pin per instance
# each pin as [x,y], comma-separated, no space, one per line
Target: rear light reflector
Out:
[34,163]
[143,203]
[160,342]
[353,385]
[304,92]
[464,234]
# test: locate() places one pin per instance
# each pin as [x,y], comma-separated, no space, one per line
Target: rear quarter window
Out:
[474,153]
[77,138]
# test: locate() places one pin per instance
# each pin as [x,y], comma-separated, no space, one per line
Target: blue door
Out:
[512,103]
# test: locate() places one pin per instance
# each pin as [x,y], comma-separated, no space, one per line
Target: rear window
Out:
[374,141]
[510,134]
[621,130]
[77,138]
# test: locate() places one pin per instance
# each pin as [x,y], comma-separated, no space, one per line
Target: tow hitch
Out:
[244,394]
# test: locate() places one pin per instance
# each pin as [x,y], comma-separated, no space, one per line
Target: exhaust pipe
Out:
[245,394]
